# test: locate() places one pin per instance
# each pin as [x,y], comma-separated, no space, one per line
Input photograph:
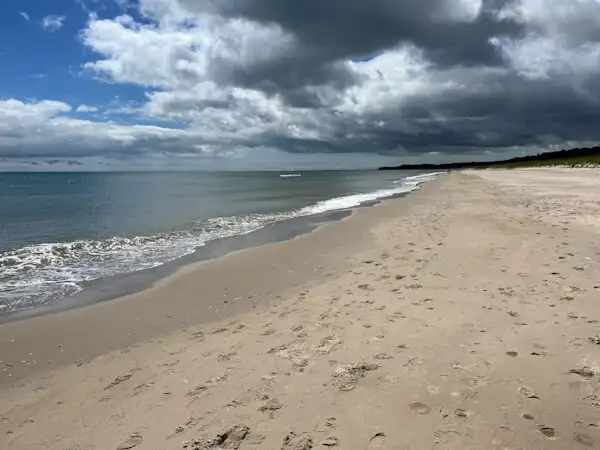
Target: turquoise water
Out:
[58,230]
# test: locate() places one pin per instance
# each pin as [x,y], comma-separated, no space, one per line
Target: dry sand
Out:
[462,317]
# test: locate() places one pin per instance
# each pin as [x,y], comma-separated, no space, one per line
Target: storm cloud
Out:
[381,77]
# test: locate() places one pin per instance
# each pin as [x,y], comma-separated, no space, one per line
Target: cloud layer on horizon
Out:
[387,77]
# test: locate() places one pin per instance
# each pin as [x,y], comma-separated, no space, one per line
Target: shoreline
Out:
[467,312]
[129,283]
[224,283]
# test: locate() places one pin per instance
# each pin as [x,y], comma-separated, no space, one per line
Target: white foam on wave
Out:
[423,177]
[290,175]
[40,274]
[350,201]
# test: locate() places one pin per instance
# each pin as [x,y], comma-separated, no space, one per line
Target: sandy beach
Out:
[464,316]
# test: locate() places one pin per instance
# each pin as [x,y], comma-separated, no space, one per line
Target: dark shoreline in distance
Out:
[580,157]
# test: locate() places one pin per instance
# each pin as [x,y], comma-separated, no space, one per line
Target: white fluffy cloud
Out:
[53,22]
[236,78]
[86,109]
[44,129]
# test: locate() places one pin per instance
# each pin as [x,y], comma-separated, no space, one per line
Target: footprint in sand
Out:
[331,441]
[584,439]
[528,392]
[595,339]
[118,380]
[548,432]
[292,441]
[419,408]
[133,441]
[377,441]
[268,331]
[141,388]
[585,372]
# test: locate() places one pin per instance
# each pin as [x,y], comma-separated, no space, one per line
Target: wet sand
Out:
[462,316]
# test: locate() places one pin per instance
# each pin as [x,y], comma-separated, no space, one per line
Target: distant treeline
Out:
[574,157]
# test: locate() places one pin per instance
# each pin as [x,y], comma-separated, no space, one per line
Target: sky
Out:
[269,84]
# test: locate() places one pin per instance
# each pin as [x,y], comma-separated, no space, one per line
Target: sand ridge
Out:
[465,320]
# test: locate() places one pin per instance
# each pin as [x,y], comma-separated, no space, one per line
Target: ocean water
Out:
[58,230]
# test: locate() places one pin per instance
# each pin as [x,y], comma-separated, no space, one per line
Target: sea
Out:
[59,231]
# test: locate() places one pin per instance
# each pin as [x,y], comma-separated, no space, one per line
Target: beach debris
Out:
[512,354]
[346,378]
[528,416]
[268,332]
[292,441]
[548,432]
[585,372]
[419,408]
[513,314]
[331,441]
[230,438]
[132,441]
[382,356]
[118,380]
[584,439]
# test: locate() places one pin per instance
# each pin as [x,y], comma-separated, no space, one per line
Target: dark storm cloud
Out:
[329,32]
[289,76]
[511,111]
[537,113]
[345,29]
